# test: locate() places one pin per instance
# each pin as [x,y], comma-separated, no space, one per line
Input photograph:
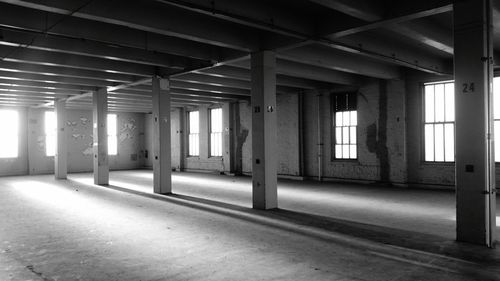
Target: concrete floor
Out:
[73,230]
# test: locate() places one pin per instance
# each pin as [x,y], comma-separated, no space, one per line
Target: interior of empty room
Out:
[249,140]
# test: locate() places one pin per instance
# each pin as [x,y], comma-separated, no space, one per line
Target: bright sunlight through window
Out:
[112,136]
[216,132]
[194,133]
[50,133]
[439,127]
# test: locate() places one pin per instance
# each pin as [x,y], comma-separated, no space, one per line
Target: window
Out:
[112,137]
[9,123]
[216,132]
[50,133]
[439,122]
[194,133]
[345,120]
[496,116]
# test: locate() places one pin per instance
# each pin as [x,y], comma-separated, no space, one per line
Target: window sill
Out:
[425,163]
[341,161]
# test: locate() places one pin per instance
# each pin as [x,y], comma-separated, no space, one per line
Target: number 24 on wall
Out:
[468,88]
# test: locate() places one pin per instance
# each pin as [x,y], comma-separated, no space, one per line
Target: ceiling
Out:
[67,49]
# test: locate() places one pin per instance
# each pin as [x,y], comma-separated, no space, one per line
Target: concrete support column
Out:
[264,127]
[100,121]
[475,174]
[228,139]
[162,162]
[61,157]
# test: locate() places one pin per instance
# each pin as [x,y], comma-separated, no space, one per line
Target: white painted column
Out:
[228,137]
[264,127]
[61,156]
[162,162]
[475,167]
[100,121]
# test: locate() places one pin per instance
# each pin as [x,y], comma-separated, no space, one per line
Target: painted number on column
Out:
[468,88]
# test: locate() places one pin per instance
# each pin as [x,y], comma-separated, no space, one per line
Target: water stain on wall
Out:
[126,132]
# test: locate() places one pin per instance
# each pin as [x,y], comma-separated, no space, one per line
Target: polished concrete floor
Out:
[206,230]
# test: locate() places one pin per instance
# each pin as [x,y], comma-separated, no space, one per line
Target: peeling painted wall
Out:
[79,133]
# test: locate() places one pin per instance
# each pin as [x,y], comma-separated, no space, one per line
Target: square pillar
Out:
[61,156]
[100,121]
[228,139]
[475,166]
[264,128]
[162,162]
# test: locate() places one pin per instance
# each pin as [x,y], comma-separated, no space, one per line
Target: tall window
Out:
[345,120]
[216,132]
[194,133]
[50,133]
[439,122]
[9,123]
[112,136]
[496,114]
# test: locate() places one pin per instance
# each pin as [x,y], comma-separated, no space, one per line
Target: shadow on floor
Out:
[376,240]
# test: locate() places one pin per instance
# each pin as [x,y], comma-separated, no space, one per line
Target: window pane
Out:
[338,119]
[345,151]
[353,134]
[338,151]
[352,151]
[354,118]
[449,140]
[439,142]
[112,145]
[497,143]
[112,124]
[450,102]
[9,122]
[345,135]
[496,97]
[345,118]
[216,132]
[50,133]
[439,100]
[194,121]
[429,142]
[112,137]
[429,103]
[338,135]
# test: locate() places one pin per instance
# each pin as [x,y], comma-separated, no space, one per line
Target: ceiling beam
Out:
[114,35]
[375,17]
[338,60]
[300,70]
[23,55]
[227,71]
[65,45]
[254,14]
[152,19]
[62,71]
[405,54]
[4,81]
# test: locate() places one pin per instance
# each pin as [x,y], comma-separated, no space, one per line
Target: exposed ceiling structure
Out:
[67,49]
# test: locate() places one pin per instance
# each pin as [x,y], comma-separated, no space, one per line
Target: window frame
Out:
[350,106]
[444,122]
[220,133]
[189,134]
